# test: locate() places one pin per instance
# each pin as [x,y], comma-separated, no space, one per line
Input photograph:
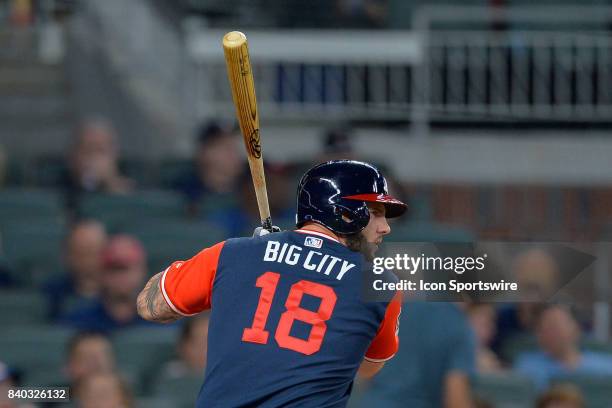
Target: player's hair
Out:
[79,337]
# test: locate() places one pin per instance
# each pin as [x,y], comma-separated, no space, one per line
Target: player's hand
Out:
[260,231]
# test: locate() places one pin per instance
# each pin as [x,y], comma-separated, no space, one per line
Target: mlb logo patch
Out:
[313,242]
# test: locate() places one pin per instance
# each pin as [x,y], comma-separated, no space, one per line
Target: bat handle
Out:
[267,224]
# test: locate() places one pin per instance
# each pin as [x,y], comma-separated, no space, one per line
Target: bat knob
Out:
[234,39]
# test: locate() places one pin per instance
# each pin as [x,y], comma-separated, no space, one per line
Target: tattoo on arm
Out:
[152,305]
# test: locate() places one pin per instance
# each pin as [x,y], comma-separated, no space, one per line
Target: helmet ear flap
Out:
[351,220]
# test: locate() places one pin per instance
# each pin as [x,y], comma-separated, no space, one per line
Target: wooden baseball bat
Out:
[243,91]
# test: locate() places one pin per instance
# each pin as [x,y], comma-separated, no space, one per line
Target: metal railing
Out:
[310,74]
[531,63]
[560,72]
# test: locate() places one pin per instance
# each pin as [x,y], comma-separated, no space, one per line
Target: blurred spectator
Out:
[240,219]
[94,162]
[8,380]
[88,353]
[558,336]
[3,166]
[6,275]
[124,271]
[564,396]
[337,145]
[434,362]
[191,349]
[482,319]
[217,165]
[103,390]
[536,273]
[83,258]
[22,13]
[362,13]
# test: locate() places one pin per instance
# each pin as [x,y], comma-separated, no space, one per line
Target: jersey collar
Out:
[317,233]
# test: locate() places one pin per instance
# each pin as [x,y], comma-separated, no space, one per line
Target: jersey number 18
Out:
[268,283]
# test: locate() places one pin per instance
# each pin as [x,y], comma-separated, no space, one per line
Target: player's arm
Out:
[457,390]
[386,343]
[369,369]
[183,289]
[151,303]
[460,366]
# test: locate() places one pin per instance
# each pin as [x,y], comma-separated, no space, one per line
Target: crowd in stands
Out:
[448,351]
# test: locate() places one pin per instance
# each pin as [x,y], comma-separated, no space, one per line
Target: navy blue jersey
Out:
[288,324]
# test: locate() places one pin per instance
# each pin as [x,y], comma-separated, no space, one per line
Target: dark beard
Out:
[358,243]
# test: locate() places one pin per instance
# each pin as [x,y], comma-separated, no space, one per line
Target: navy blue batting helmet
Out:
[335,194]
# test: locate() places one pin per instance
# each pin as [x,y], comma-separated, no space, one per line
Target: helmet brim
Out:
[393,207]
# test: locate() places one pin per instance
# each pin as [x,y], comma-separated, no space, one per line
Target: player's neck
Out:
[311,226]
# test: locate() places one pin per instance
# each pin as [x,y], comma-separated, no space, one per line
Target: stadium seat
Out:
[184,390]
[33,248]
[134,378]
[115,210]
[28,347]
[505,390]
[597,390]
[171,170]
[156,402]
[41,376]
[49,171]
[21,308]
[516,345]
[424,231]
[28,204]
[170,240]
[598,346]
[143,349]
[137,170]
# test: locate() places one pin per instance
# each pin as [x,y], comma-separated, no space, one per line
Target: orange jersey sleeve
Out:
[386,343]
[187,285]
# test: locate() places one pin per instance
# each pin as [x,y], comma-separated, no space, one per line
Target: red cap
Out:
[123,251]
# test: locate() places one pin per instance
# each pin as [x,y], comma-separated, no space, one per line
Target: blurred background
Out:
[119,154]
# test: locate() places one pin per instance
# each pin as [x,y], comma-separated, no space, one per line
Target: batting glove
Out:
[260,231]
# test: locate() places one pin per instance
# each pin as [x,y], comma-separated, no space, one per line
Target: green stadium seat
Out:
[597,390]
[424,231]
[156,402]
[184,390]
[593,345]
[170,240]
[14,173]
[171,170]
[115,210]
[48,171]
[212,203]
[134,378]
[512,347]
[41,376]
[19,307]
[136,169]
[505,390]
[28,347]
[33,249]
[145,348]
[29,204]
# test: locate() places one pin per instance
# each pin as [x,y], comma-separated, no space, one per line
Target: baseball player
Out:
[288,325]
